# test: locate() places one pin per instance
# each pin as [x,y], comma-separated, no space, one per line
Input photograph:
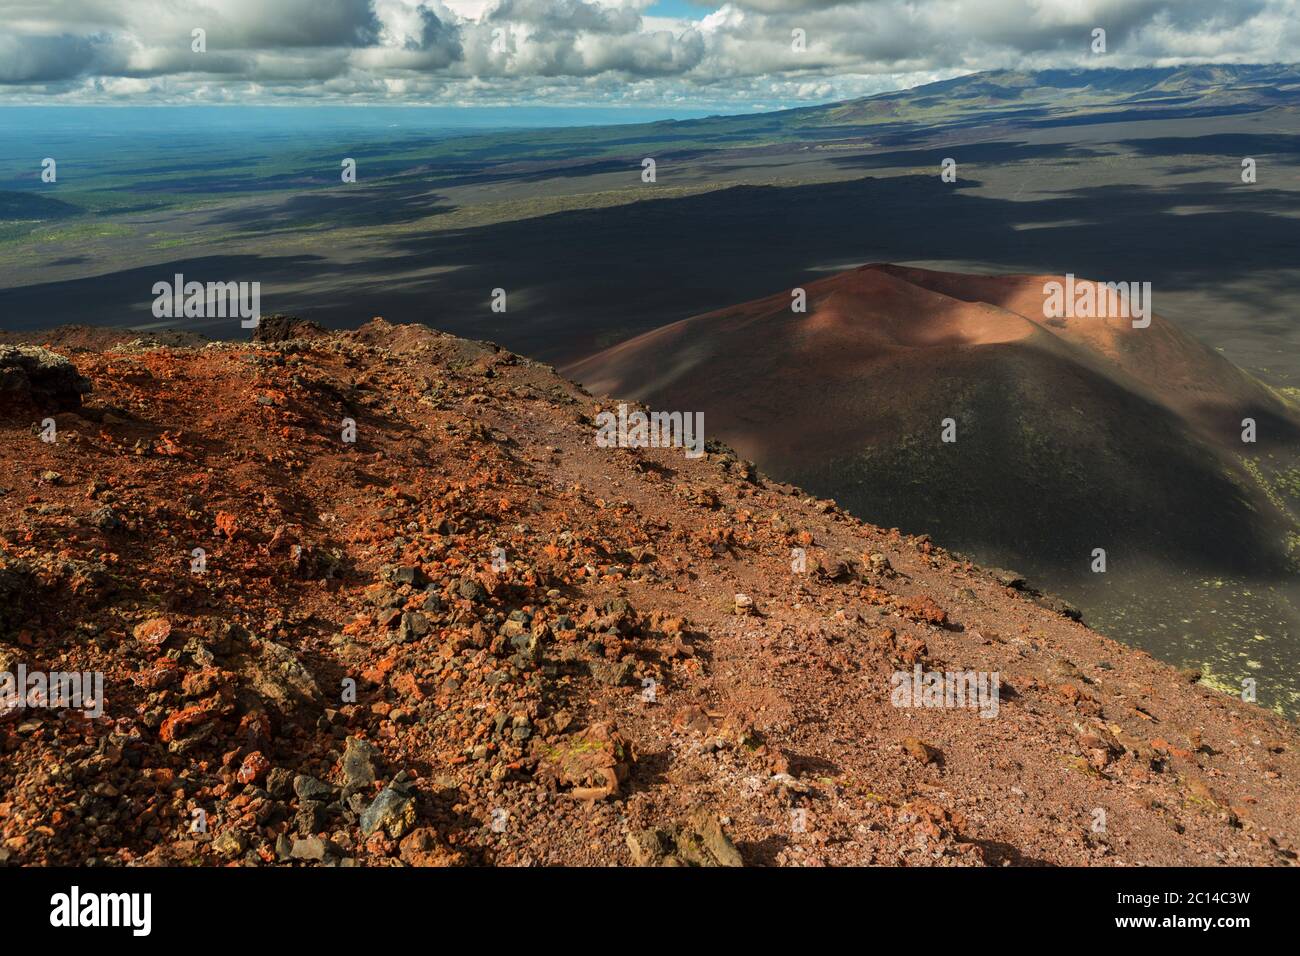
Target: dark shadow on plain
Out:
[575,277]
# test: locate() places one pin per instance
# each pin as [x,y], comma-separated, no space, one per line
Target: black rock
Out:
[392,810]
[310,789]
[38,377]
[285,328]
[1009,579]
[106,519]
[414,625]
[1060,606]
[279,782]
[407,574]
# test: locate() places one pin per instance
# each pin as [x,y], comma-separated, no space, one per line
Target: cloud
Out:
[598,51]
[287,23]
[569,16]
[40,59]
[790,6]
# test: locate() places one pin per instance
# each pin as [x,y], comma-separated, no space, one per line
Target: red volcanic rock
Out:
[579,701]
[254,768]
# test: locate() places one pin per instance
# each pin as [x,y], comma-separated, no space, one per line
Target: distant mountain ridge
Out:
[1039,95]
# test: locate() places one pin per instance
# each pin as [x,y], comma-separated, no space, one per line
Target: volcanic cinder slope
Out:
[1071,433]
[550,659]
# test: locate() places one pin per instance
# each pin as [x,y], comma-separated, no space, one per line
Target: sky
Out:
[650,54]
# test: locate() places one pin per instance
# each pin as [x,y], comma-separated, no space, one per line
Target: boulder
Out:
[36,377]
[697,841]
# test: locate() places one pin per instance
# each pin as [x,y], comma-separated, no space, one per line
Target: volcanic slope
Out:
[1070,433]
[473,636]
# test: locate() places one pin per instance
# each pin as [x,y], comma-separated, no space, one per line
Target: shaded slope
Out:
[1071,433]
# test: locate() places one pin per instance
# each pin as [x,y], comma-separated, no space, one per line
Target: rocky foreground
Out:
[472,636]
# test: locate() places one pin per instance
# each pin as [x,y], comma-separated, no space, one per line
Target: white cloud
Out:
[600,51]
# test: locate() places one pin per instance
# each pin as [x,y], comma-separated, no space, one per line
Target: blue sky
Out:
[676,8]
